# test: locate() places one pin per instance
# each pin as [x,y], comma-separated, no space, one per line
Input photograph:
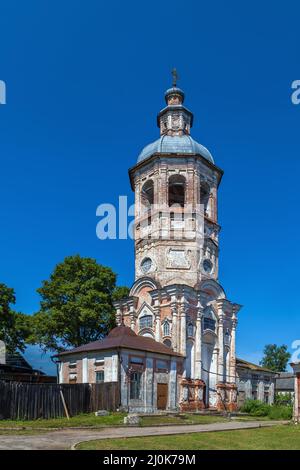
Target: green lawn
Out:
[273,438]
[113,419]
[83,420]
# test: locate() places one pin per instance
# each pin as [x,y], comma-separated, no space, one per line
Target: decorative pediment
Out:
[145,310]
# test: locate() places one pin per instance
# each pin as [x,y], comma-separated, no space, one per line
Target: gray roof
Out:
[184,144]
[284,382]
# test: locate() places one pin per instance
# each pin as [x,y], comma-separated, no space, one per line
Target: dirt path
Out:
[66,438]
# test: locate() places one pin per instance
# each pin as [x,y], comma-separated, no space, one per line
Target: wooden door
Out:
[162,396]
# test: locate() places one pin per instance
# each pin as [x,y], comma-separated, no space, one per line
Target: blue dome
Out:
[175,144]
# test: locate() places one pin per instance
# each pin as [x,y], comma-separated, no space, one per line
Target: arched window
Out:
[176,190]
[209,320]
[190,329]
[166,328]
[146,321]
[204,198]
[147,199]
[227,338]
[147,195]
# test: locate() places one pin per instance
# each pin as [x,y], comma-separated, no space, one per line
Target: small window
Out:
[209,321]
[209,324]
[73,365]
[161,365]
[166,328]
[72,377]
[146,321]
[99,360]
[137,360]
[168,343]
[100,376]
[190,329]
[227,338]
[135,386]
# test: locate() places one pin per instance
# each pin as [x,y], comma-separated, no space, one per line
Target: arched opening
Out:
[205,198]
[146,321]
[190,329]
[167,343]
[209,319]
[176,190]
[147,199]
[166,328]
[147,334]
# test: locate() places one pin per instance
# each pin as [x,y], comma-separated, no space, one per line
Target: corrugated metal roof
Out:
[251,366]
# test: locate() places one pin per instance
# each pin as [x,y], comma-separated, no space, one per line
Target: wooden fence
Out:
[32,401]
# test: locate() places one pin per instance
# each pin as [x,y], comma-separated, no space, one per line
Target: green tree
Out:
[15,327]
[120,292]
[275,357]
[77,304]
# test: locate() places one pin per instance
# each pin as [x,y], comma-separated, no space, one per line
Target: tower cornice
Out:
[162,156]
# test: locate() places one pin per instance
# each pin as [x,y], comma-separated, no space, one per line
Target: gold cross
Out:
[175,77]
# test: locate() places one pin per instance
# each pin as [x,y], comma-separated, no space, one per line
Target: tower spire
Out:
[175,77]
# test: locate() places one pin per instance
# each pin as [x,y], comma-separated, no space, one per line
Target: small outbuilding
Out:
[254,382]
[147,371]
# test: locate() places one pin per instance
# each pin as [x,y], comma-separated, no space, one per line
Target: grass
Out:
[273,438]
[83,420]
[113,419]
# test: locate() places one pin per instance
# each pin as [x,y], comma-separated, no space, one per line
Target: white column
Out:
[85,370]
[183,327]
[198,343]
[221,349]
[157,321]
[232,352]
[60,372]
[174,324]
[296,369]
[114,368]
[132,318]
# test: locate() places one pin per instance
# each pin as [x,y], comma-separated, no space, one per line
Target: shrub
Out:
[284,399]
[258,408]
[281,412]
[253,407]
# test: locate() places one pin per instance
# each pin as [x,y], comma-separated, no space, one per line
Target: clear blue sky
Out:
[85,81]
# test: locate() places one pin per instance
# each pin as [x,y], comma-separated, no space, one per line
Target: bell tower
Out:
[176,298]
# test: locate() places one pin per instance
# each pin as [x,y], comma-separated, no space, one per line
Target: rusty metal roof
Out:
[251,366]
[124,337]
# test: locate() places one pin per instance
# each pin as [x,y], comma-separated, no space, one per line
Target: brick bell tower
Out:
[176,297]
